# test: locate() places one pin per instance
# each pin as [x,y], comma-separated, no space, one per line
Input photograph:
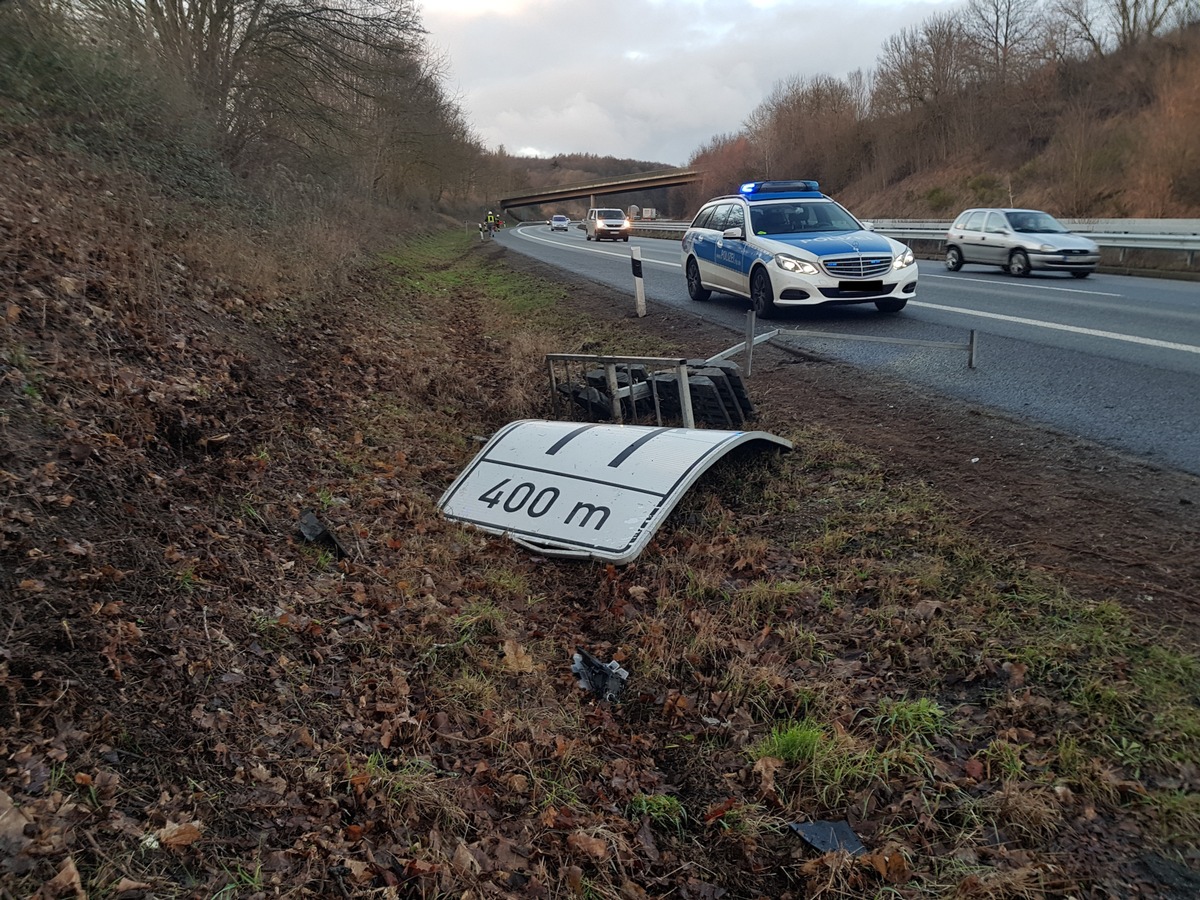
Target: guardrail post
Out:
[685,397]
[553,386]
[610,375]
[749,340]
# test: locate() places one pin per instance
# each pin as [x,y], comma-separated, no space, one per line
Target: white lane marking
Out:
[521,232]
[1055,326]
[1026,284]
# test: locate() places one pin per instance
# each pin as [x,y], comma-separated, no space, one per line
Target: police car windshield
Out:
[800,216]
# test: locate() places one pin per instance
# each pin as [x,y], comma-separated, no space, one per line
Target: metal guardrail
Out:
[1118,234]
[660,225]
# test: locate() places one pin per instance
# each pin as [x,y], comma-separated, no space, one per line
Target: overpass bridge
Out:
[641,181]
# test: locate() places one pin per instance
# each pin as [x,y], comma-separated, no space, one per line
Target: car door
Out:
[727,260]
[993,246]
[705,232]
[971,237]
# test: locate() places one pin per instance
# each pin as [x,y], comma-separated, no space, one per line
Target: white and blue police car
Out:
[784,243]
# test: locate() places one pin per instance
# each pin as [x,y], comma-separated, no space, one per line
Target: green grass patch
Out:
[664,811]
[443,263]
[793,742]
[913,720]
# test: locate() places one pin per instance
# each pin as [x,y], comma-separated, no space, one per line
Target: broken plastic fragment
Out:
[828,836]
[315,532]
[605,680]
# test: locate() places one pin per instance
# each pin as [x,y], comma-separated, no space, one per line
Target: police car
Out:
[784,243]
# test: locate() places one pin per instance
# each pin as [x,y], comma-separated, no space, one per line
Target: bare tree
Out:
[922,67]
[259,63]
[1101,25]
[343,89]
[808,127]
[1004,35]
[727,161]
[922,73]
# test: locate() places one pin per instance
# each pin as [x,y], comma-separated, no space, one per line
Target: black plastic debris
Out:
[717,392]
[315,532]
[732,409]
[626,376]
[593,401]
[830,836]
[733,375]
[707,406]
[605,680]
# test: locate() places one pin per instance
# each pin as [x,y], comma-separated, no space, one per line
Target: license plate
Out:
[860,286]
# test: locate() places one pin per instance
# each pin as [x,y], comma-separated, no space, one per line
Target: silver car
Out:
[1018,240]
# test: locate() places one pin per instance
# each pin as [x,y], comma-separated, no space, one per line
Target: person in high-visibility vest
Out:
[491,221]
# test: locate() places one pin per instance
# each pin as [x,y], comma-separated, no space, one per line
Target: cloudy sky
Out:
[643,79]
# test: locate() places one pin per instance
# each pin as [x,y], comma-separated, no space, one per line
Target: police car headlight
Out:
[904,260]
[791,264]
[1047,248]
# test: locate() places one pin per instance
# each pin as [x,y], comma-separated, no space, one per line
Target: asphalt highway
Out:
[1111,358]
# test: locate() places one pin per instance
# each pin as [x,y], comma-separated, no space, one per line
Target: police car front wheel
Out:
[762,295]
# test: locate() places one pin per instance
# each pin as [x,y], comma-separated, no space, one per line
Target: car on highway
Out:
[559,223]
[1019,241]
[784,243]
[607,224]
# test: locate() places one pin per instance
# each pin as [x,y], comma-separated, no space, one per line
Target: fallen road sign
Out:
[594,490]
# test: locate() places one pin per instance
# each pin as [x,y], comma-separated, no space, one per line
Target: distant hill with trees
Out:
[1089,108]
[1084,107]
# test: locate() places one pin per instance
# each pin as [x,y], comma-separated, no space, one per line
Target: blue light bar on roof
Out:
[777,187]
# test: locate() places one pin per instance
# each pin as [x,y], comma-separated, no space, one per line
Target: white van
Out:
[610,224]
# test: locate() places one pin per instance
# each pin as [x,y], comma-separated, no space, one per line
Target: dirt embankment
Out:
[197,701]
[1112,524]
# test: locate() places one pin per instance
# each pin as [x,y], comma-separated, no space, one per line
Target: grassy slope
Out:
[198,700]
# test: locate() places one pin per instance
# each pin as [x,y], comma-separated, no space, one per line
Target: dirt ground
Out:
[194,702]
[1105,522]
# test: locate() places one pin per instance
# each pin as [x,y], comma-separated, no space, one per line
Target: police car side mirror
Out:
[868,226]
[734,234]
